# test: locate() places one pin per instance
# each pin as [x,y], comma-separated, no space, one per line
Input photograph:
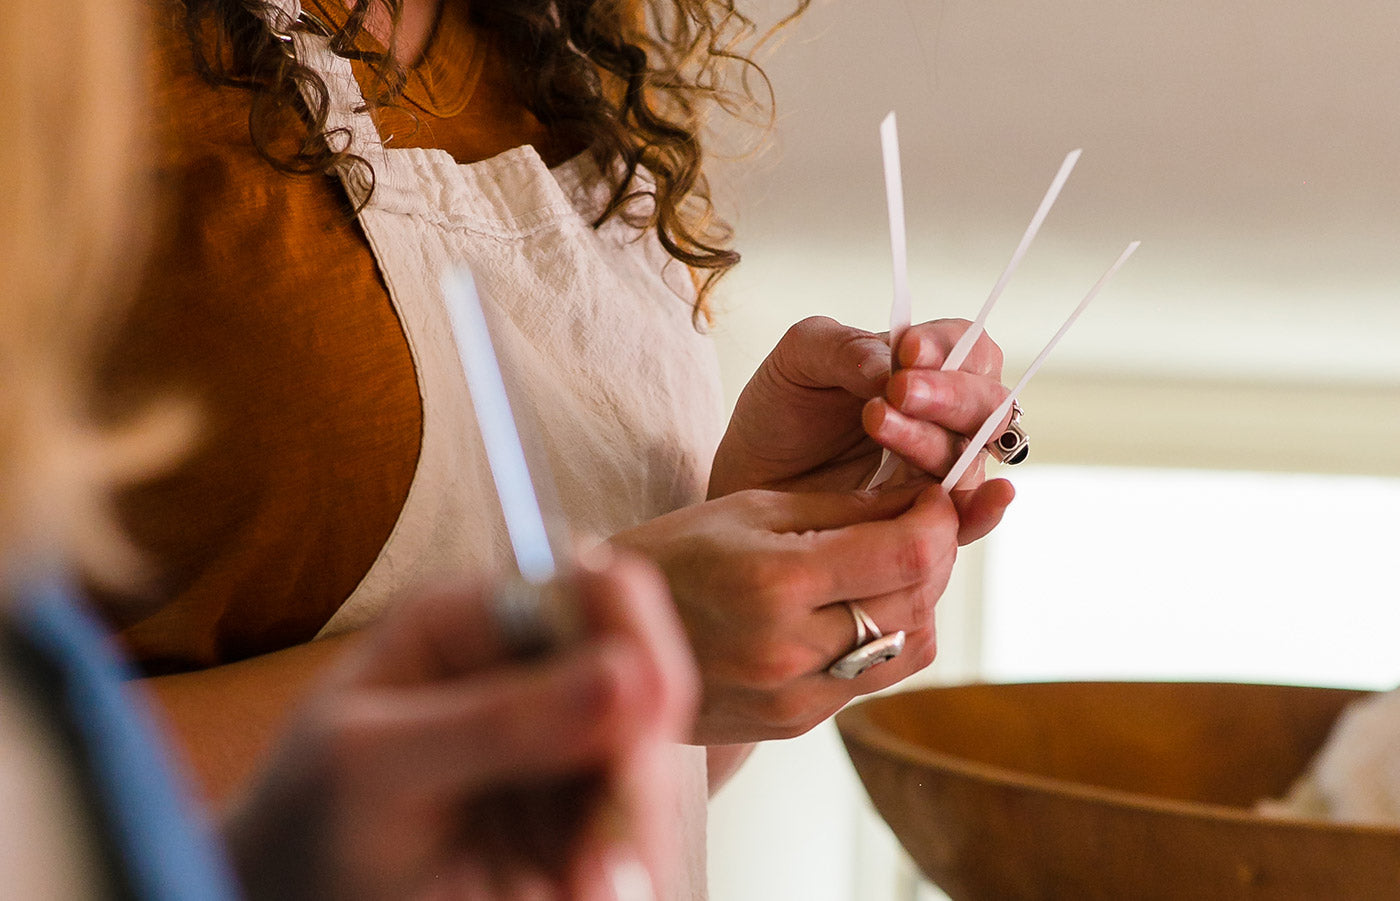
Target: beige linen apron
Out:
[594,324]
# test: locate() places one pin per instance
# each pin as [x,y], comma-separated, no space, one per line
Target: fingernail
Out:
[916,394]
[875,367]
[911,350]
[631,881]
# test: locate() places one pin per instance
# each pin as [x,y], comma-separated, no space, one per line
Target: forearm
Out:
[724,761]
[224,719]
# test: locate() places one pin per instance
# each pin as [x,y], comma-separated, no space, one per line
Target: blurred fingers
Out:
[626,596]
[515,725]
[443,631]
[630,850]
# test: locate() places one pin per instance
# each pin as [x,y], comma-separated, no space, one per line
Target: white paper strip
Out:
[993,422]
[958,355]
[901,309]
[505,452]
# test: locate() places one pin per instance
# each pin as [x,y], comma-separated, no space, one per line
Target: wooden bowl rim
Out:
[855,726]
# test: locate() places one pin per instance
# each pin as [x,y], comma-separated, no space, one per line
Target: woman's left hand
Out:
[819,410]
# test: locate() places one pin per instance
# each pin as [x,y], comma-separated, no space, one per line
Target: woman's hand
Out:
[819,410]
[759,577]
[432,765]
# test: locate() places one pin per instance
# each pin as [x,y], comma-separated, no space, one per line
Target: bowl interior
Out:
[1112,790]
[1215,743]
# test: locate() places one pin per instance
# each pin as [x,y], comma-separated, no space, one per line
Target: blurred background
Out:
[1215,467]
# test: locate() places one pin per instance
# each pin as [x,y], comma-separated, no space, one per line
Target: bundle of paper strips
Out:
[901,313]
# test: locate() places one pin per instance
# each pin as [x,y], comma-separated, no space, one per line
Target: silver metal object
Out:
[531,614]
[1012,446]
[531,619]
[872,647]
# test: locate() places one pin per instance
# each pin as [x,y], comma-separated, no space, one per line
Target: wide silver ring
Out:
[1011,446]
[872,647]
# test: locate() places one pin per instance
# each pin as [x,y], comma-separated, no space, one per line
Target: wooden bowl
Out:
[1114,790]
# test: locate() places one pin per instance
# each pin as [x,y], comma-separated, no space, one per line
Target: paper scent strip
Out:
[534,609]
[993,422]
[901,309]
[535,555]
[958,355]
[533,613]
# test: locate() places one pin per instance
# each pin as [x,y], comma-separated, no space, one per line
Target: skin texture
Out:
[758,572]
[497,778]
[818,411]
[759,576]
[789,560]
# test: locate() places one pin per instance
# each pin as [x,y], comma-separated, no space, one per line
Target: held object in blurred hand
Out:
[532,613]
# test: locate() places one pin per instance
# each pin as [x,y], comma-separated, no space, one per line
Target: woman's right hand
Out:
[434,765]
[758,577]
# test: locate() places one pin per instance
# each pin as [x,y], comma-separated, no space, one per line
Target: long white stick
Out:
[993,422]
[959,353]
[901,309]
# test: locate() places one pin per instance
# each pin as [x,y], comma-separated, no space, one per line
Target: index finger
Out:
[878,557]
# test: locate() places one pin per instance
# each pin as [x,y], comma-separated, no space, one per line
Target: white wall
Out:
[1253,145]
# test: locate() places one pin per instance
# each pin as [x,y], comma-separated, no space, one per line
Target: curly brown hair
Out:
[630,80]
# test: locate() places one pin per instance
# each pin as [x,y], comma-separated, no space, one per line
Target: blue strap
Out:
[168,850]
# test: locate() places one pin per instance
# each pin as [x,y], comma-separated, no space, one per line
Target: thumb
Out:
[981,509]
[782,511]
[819,352]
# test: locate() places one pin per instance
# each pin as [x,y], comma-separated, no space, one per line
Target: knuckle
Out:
[854,345]
[804,329]
[944,333]
[775,665]
[779,585]
[919,555]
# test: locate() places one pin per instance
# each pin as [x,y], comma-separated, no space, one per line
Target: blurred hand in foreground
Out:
[433,765]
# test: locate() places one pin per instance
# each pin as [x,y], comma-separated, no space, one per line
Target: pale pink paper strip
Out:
[959,353]
[993,422]
[901,310]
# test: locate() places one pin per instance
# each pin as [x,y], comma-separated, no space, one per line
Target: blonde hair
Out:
[71,226]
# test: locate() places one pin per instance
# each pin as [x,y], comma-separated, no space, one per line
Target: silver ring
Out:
[872,647]
[530,618]
[1011,446]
